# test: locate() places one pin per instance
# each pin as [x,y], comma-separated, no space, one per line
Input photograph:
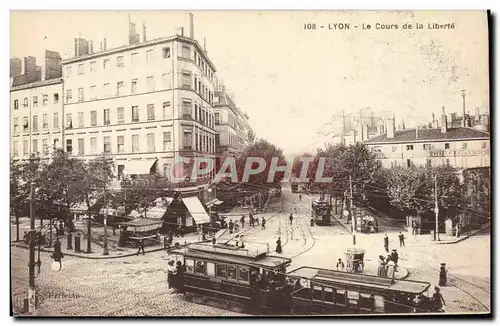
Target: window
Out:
[199,267]
[151,142]
[186,52]
[447,162]
[69,121]
[93,118]
[464,145]
[186,109]
[92,66]
[329,296]
[135,114]
[166,52]
[408,163]
[340,297]
[69,95]
[231,272]
[106,90]
[119,61]
[45,121]
[210,269]
[107,144]
[133,58]
[68,71]
[81,147]
[80,119]
[25,147]
[69,145]
[150,82]
[220,270]
[105,64]
[35,101]
[166,80]
[119,88]
[186,79]
[409,147]
[56,120]
[80,95]
[217,118]
[120,113]
[244,274]
[120,141]
[56,143]
[188,140]
[484,144]
[427,147]
[16,104]
[93,94]
[35,145]
[189,264]
[167,114]
[35,123]
[135,143]
[56,98]
[133,86]
[80,69]
[167,139]
[428,163]
[447,146]
[93,145]
[217,139]
[16,123]
[149,55]
[106,117]
[151,112]
[15,149]
[317,293]
[25,103]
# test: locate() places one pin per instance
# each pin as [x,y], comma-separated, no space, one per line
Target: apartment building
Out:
[460,147]
[227,138]
[147,104]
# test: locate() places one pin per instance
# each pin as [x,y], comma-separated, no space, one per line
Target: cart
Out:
[354,260]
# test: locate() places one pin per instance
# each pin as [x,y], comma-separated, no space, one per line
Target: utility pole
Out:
[343,128]
[436,208]
[353,220]
[464,122]
[105,250]
[31,289]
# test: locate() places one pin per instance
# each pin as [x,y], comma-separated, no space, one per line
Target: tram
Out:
[321,212]
[254,282]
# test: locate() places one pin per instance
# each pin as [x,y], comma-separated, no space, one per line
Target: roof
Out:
[141,222]
[19,84]
[140,45]
[409,135]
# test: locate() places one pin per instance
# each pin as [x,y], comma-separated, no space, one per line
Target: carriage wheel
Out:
[360,268]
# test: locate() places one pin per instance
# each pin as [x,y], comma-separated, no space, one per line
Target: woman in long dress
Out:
[279,250]
[381,267]
[391,269]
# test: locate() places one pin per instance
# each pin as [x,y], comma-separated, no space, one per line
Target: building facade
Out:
[226,125]
[36,118]
[146,104]
[460,147]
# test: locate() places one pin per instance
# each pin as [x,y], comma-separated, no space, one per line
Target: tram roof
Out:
[370,281]
[236,256]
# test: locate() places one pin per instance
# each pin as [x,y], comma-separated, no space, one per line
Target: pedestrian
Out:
[242,243]
[390,269]
[395,258]
[263,223]
[401,239]
[231,226]
[340,265]
[242,220]
[279,250]
[300,197]
[386,243]
[442,275]
[141,247]
[291,218]
[292,229]
[381,266]
[257,221]
[236,226]
[165,242]
[437,299]
[214,240]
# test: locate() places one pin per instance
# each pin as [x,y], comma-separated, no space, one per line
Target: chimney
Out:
[402,124]
[478,116]
[416,132]
[30,69]
[15,67]
[144,31]
[100,47]
[391,128]
[179,31]
[104,45]
[91,47]
[365,131]
[133,37]
[191,26]
[463,114]
[76,47]
[53,67]
[205,45]
[444,122]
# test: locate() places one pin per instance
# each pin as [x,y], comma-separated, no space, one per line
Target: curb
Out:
[462,238]
[405,274]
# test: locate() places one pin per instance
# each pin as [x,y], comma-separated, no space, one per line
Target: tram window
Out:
[317,293]
[340,297]
[353,297]
[243,274]
[231,272]
[379,303]
[329,295]
[220,271]
[366,301]
[189,265]
[210,269]
[199,267]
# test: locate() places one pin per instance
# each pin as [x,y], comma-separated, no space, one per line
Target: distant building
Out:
[16,67]
[460,147]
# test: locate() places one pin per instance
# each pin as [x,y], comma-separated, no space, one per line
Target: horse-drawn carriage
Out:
[354,260]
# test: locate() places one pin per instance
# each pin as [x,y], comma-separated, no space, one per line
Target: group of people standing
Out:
[388,265]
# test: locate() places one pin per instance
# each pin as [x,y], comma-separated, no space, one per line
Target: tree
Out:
[265,150]
[251,136]
[298,164]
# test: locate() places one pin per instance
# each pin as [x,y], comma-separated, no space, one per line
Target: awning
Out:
[196,209]
[214,202]
[155,213]
[79,208]
[138,167]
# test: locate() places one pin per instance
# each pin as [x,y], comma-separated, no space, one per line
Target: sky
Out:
[293,82]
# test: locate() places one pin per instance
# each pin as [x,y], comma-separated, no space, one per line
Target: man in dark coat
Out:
[401,239]
[291,218]
[141,247]
[231,226]
[386,243]
[395,258]
[263,223]
[279,249]
[242,220]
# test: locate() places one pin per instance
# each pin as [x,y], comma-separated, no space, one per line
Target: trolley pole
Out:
[353,221]
[436,208]
[31,288]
